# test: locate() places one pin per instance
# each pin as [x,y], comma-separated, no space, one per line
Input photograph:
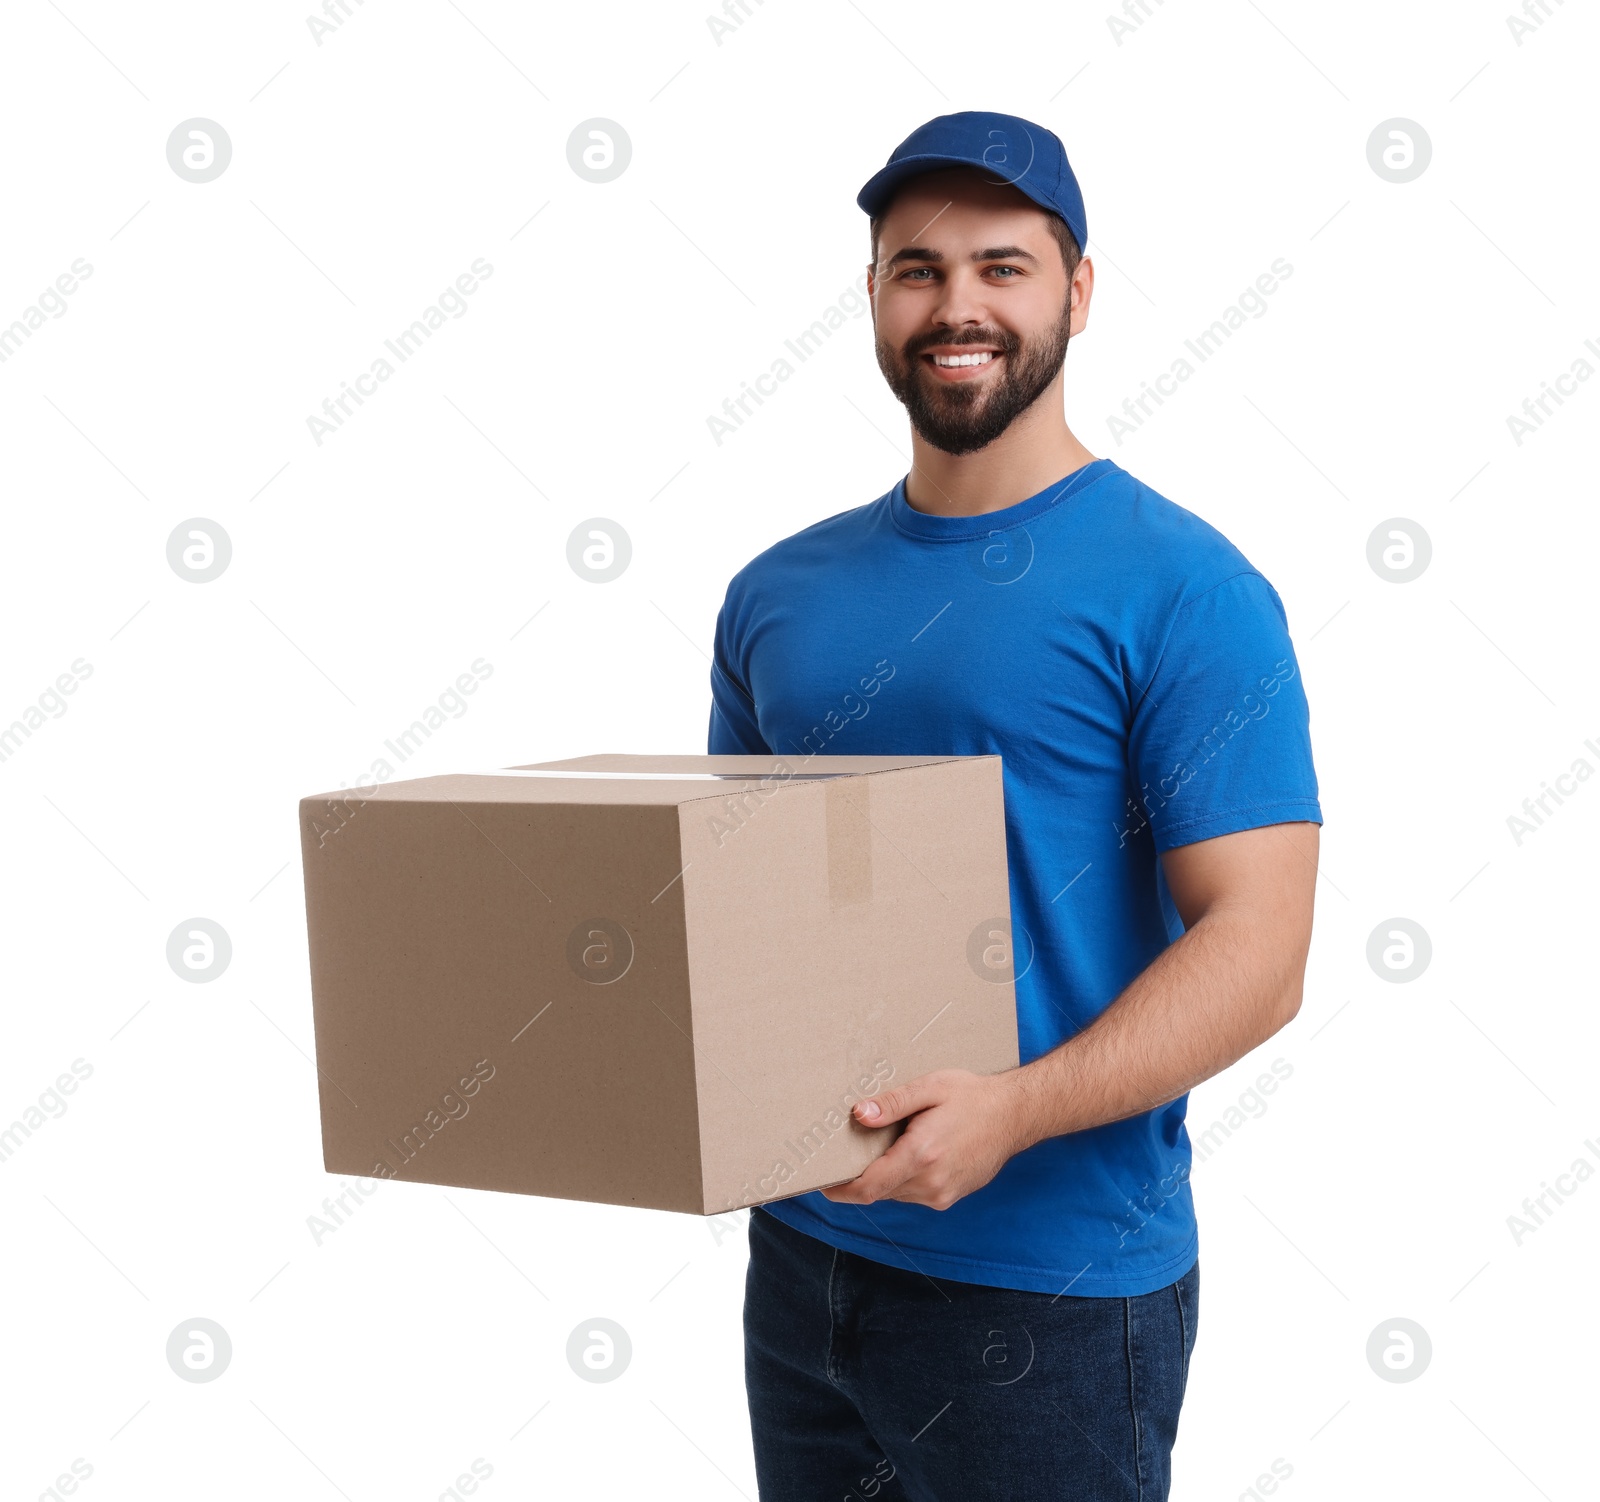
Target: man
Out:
[1004,1303]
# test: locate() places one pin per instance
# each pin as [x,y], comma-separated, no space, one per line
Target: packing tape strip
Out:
[663,776]
[847,808]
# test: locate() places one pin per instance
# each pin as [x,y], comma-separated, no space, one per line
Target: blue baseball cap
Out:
[1007,148]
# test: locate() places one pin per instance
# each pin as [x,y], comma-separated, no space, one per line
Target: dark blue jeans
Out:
[870,1383]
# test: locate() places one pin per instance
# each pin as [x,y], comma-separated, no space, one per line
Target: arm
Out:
[733,728]
[1228,984]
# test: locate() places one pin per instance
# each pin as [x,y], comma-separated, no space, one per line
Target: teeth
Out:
[983,358]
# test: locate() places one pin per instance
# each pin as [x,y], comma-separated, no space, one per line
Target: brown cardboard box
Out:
[661,981]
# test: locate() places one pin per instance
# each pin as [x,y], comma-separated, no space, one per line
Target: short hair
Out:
[1071,253]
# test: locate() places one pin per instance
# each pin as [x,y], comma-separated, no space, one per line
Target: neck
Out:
[1034,452]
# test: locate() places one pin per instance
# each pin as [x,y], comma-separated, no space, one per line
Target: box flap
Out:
[624,779]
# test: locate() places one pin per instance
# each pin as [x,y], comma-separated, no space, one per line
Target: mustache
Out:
[1006,342]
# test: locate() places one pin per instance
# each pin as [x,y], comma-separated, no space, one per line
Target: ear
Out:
[1082,292]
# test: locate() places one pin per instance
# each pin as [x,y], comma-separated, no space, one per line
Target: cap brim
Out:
[874,196]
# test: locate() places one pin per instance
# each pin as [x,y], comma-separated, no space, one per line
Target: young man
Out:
[1004,1304]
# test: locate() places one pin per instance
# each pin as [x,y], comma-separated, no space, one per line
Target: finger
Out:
[880,1179]
[904,1100]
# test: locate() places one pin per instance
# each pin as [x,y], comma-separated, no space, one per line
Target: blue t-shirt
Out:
[1136,677]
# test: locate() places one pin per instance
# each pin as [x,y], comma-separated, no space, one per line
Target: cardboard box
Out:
[651,980]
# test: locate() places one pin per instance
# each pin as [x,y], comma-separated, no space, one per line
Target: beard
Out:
[961,417]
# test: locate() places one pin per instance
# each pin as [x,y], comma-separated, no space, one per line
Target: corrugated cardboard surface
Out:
[655,991]
[438,937]
[828,944]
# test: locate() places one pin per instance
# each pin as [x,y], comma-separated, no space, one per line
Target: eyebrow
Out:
[933,257]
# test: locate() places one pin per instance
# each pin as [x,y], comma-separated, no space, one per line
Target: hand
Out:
[960,1130]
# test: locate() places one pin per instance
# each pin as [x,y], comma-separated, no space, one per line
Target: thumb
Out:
[895,1105]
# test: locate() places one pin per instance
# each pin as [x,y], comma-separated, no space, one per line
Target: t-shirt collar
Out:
[962,528]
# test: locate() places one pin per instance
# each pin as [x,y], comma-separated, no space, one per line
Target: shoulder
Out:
[1170,580]
[1179,554]
[822,544]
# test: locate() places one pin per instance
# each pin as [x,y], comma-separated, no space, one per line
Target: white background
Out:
[368,571]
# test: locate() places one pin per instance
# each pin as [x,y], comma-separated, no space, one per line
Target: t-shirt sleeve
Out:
[1221,738]
[733,730]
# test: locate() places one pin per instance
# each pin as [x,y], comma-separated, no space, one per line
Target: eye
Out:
[915,273]
[1014,270]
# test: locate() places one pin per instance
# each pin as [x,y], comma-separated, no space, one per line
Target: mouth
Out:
[955,364]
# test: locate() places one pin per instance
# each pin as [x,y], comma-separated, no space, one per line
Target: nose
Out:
[961,302]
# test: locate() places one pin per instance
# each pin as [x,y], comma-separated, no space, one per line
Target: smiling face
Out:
[973,305]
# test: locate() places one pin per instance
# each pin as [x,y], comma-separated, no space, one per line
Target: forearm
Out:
[1206,1001]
